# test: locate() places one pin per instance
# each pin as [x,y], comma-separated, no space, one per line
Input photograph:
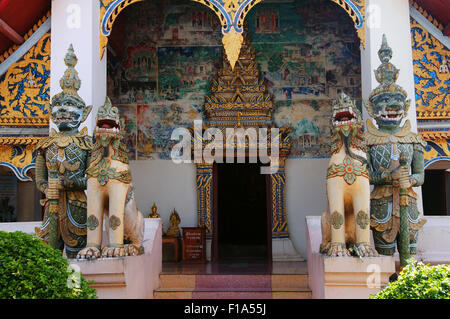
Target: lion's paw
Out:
[89,253]
[112,251]
[132,250]
[324,247]
[126,250]
[366,250]
[338,250]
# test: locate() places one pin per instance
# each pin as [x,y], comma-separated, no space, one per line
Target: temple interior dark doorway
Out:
[436,192]
[242,213]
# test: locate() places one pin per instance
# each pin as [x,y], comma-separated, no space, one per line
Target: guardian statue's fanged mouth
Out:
[108,126]
[344,117]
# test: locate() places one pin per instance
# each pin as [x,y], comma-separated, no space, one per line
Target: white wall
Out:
[305,196]
[174,186]
[170,186]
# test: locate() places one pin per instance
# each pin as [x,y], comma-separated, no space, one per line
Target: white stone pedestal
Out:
[283,250]
[127,277]
[343,277]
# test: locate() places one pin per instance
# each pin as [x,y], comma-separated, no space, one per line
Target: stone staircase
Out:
[235,286]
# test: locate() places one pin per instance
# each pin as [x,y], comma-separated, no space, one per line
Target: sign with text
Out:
[193,244]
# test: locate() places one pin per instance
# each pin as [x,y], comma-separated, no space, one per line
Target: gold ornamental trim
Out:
[432,136]
[20,140]
[34,121]
[439,114]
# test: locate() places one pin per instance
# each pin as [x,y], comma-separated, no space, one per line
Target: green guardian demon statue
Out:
[61,161]
[396,164]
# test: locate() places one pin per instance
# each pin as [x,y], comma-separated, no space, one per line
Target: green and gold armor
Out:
[396,164]
[61,161]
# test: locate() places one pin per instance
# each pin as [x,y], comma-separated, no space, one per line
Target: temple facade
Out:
[175,64]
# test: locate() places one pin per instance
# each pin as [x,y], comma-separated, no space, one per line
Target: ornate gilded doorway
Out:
[240,100]
[242,213]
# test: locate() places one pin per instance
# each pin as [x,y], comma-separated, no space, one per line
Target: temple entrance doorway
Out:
[436,189]
[242,218]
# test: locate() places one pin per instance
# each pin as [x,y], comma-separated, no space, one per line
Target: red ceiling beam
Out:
[10,33]
[447,30]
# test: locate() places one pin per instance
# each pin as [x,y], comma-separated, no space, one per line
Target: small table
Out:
[174,241]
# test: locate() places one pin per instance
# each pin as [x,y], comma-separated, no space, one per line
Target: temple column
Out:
[393,19]
[205,202]
[282,247]
[77,22]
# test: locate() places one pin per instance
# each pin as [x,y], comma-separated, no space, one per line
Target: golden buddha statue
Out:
[173,230]
[154,213]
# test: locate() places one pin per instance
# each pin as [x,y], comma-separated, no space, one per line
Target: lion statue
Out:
[346,223]
[110,194]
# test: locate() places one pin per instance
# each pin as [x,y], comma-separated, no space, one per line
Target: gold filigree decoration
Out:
[20,140]
[239,95]
[432,136]
[432,99]
[19,158]
[204,196]
[232,43]
[26,86]
[437,149]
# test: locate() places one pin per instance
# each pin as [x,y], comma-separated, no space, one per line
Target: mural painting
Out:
[310,121]
[185,72]
[307,51]
[128,118]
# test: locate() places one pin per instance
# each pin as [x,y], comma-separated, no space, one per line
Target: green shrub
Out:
[419,281]
[29,268]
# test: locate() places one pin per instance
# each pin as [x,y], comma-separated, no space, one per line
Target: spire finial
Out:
[70,82]
[385,52]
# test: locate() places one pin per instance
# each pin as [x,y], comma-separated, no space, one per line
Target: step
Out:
[214,286]
[177,281]
[192,281]
[234,281]
[289,281]
[184,293]
[293,293]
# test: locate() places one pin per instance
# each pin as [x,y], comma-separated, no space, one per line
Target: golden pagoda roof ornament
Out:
[239,96]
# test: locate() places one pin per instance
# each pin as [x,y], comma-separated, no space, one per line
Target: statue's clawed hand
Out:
[400,172]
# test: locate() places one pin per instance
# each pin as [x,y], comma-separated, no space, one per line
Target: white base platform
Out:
[127,277]
[343,277]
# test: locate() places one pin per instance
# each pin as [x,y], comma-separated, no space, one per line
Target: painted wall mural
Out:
[308,52]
